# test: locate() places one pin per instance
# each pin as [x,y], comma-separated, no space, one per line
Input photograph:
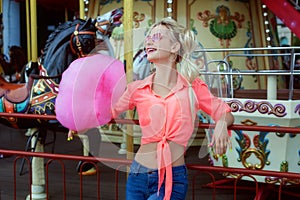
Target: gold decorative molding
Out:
[137,18]
[248,122]
[259,155]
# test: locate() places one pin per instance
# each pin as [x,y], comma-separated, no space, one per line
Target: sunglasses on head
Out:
[154,38]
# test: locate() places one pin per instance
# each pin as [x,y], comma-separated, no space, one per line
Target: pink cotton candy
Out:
[87,91]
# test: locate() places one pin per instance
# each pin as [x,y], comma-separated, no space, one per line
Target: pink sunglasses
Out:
[154,38]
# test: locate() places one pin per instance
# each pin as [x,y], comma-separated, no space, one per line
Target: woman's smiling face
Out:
[158,44]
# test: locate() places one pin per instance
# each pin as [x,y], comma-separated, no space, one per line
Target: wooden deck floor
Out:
[16,140]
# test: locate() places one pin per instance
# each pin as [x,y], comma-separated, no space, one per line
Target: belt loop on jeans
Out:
[136,167]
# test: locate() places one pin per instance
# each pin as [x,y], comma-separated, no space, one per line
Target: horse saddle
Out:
[15,93]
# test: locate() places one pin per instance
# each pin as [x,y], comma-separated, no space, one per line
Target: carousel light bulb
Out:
[264,6]
[87,2]
[266,22]
[265,14]
[268,38]
[170,1]
[169,10]
[86,9]
[267,30]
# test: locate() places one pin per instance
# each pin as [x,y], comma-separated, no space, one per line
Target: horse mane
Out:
[52,37]
[56,55]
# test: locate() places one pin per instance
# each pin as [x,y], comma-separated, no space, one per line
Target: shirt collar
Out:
[181,81]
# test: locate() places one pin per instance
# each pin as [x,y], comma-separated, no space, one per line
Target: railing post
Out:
[292,68]
[38,172]
[272,88]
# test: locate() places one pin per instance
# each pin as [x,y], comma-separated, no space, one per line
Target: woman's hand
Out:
[220,138]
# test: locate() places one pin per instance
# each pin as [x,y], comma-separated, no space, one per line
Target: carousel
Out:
[248,50]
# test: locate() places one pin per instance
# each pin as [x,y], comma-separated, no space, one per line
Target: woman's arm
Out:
[220,113]
[125,102]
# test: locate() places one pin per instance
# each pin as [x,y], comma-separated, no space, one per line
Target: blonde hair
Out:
[188,44]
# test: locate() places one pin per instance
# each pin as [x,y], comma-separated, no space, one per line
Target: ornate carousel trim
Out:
[263,107]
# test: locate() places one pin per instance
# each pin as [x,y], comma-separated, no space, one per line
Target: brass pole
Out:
[81,9]
[128,56]
[33,26]
[66,15]
[96,8]
[91,8]
[28,31]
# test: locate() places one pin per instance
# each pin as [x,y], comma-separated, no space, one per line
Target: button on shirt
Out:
[168,118]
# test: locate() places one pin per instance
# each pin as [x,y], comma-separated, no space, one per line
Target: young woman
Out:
[167,102]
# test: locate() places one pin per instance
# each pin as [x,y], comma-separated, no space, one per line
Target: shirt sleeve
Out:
[125,102]
[210,104]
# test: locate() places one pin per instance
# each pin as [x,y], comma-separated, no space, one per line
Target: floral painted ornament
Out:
[87,91]
[222,24]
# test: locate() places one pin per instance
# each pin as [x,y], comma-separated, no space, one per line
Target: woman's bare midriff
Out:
[147,154]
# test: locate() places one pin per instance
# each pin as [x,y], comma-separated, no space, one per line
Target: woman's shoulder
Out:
[141,83]
[198,82]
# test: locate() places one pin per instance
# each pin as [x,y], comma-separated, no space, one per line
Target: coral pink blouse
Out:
[168,118]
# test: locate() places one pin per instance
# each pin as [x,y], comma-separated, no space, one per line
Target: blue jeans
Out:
[142,183]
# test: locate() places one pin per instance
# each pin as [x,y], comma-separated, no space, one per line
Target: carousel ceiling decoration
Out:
[57,4]
[267,25]
[271,38]
[92,8]
[170,8]
[222,24]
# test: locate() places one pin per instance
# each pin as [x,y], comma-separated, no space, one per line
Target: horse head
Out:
[76,39]
[68,42]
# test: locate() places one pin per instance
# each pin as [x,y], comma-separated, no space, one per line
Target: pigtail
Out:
[186,65]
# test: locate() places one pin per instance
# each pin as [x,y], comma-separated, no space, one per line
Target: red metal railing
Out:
[282,129]
[123,162]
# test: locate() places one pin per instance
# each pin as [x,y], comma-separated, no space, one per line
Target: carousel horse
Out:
[70,41]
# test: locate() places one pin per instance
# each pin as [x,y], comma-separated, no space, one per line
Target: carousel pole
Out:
[96,9]
[91,8]
[28,31]
[33,26]
[128,59]
[81,9]
[66,15]
[37,165]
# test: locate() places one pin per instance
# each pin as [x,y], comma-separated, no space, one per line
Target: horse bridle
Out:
[103,23]
[78,44]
